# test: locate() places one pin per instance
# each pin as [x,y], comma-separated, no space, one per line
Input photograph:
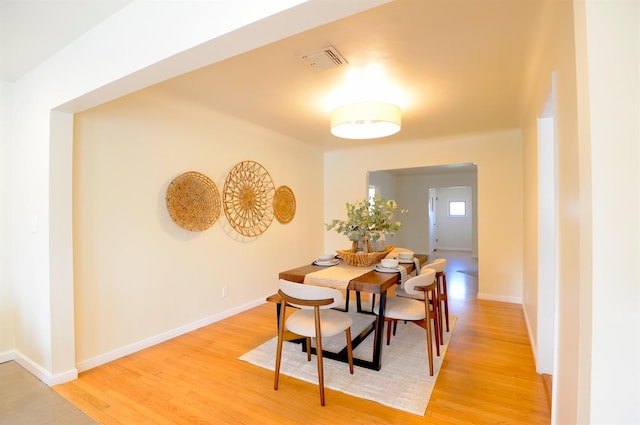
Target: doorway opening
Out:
[415,189]
[450,218]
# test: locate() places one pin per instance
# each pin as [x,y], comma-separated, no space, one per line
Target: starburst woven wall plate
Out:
[193,201]
[247,198]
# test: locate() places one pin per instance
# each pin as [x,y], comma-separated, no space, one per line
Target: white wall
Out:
[556,52]
[610,72]
[592,47]
[499,160]
[386,185]
[138,275]
[7,341]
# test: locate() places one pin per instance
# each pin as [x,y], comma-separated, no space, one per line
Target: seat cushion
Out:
[403,309]
[332,322]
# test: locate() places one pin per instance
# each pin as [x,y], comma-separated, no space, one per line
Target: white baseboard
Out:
[37,370]
[7,356]
[532,340]
[61,378]
[501,298]
[149,342]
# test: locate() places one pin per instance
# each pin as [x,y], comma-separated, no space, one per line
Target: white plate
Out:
[380,268]
[326,263]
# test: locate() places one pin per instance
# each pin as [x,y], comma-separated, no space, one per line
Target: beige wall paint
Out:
[593,48]
[556,52]
[499,160]
[609,105]
[7,335]
[137,274]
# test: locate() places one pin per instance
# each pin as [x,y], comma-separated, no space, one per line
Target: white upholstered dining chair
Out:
[416,310]
[439,266]
[314,318]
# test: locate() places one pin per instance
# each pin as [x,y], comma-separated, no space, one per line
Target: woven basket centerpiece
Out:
[361,259]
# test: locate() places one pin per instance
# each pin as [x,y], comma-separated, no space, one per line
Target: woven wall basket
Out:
[284,204]
[193,201]
[247,198]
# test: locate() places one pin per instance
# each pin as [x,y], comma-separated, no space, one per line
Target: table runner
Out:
[403,274]
[337,276]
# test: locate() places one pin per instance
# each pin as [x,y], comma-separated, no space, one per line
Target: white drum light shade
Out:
[365,120]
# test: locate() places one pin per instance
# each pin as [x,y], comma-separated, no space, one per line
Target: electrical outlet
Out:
[225,291]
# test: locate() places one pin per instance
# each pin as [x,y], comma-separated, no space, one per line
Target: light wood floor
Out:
[488,375]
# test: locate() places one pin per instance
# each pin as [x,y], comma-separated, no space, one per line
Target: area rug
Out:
[469,272]
[403,382]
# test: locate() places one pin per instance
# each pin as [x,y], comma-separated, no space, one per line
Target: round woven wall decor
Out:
[247,198]
[193,201]
[284,204]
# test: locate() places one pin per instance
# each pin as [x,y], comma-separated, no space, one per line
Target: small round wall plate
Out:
[284,204]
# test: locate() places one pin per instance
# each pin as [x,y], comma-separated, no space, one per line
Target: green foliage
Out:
[367,218]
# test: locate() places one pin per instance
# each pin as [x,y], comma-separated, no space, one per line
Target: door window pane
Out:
[457,208]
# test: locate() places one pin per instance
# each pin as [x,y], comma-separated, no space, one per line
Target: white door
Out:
[433,235]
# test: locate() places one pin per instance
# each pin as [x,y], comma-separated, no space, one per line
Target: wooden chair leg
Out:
[436,306]
[434,314]
[319,355]
[308,342]
[445,299]
[280,341]
[349,350]
[437,323]
[429,345]
[388,322]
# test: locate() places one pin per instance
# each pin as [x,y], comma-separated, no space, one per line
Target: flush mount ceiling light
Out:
[365,120]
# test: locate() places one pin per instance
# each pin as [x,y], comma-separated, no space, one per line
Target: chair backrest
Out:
[310,292]
[437,265]
[426,277]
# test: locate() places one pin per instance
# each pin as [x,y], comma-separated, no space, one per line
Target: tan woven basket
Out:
[361,259]
[193,201]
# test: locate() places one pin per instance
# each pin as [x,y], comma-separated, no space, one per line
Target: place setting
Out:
[326,260]
[388,265]
[394,264]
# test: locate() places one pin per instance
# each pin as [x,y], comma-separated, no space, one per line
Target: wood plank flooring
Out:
[488,375]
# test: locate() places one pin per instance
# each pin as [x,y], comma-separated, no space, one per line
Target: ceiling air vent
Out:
[326,58]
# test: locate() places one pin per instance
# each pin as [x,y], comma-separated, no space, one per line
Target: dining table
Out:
[371,281]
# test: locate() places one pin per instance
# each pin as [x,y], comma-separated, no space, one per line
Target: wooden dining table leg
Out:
[379,332]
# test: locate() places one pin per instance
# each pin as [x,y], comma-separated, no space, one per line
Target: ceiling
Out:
[453,66]
[32,31]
